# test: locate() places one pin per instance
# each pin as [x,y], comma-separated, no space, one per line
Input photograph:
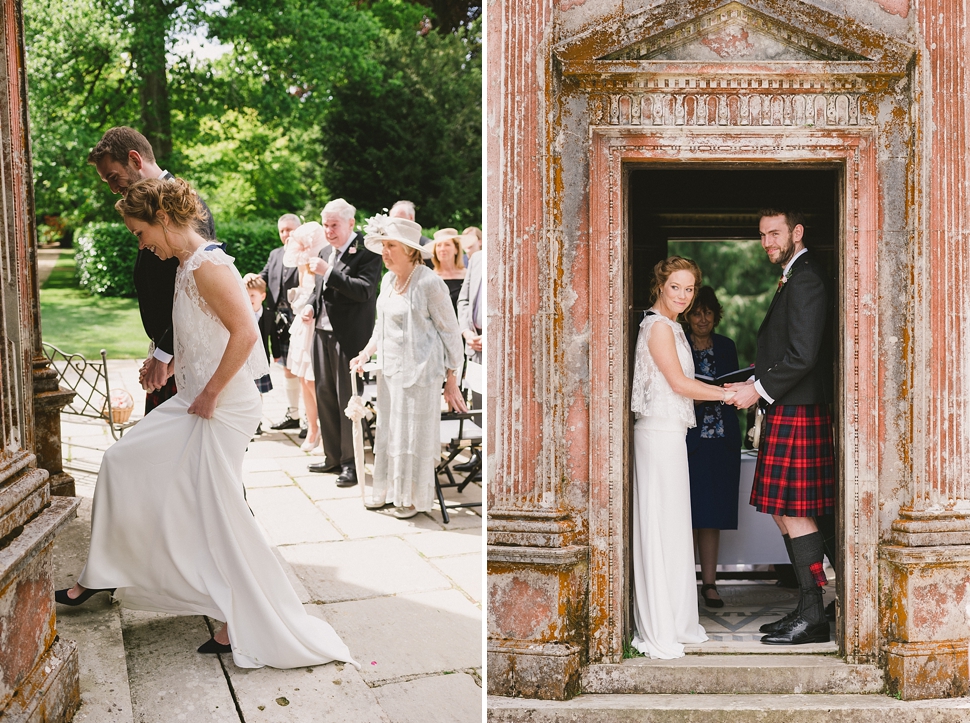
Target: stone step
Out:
[728,709]
[739,674]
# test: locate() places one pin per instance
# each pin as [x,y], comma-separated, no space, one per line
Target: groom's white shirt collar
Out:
[792,261]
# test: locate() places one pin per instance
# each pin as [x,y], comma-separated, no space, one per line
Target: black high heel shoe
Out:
[711,602]
[61,596]
[212,646]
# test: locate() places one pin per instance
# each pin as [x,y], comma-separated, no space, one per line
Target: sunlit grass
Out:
[78,322]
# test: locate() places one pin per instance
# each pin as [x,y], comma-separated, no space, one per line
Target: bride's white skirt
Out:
[665,586]
[172,532]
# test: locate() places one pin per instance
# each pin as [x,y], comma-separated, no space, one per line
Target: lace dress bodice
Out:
[652,394]
[200,337]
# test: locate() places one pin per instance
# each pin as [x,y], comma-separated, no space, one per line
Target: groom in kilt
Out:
[794,480]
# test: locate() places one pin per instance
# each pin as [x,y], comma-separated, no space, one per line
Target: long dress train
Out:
[170,527]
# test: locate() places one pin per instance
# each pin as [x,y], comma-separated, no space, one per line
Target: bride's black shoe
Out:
[62,597]
[711,602]
[213,647]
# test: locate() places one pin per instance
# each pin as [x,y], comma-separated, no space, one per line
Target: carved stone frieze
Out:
[812,110]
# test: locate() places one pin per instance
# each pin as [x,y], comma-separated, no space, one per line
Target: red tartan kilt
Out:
[795,474]
[153,399]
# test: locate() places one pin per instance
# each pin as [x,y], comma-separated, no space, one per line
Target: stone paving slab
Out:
[169,681]
[409,635]
[350,517]
[358,569]
[435,699]
[465,571]
[322,486]
[289,516]
[446,543]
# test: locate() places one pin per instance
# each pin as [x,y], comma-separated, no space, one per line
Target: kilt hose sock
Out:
[807,552]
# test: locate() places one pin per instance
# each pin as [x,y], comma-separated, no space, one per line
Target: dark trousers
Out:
[331,371]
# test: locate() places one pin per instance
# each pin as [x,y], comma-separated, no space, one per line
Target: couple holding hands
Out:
[795,474]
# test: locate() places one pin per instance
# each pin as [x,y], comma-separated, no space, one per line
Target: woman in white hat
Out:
[446,256]
[304,243]
[418,347]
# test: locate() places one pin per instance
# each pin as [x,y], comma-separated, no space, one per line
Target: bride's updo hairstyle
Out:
[663,270]
[145,198]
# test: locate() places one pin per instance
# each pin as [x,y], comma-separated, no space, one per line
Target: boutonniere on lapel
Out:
[783,280]
[352,250]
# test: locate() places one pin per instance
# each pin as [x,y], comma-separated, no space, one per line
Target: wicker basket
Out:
[118,407]
[120,416]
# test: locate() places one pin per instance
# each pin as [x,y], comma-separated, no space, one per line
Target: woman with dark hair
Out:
[714,445]
[170,529]
[665,589]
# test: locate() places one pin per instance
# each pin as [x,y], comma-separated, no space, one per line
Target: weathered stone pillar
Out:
[38,672]
[925,576]
[537,563]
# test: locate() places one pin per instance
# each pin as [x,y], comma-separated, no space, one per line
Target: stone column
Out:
[925,572]
[536,572]
[38,671]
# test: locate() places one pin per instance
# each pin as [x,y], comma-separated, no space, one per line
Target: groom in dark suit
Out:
[123,156]
[344,305]
[794,479]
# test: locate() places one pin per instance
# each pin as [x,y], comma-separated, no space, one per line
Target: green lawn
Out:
[77,322]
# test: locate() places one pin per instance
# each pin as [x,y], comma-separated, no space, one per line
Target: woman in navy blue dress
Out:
[714,445]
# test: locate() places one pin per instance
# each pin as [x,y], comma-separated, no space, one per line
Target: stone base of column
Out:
[536,620]
[52,692]
[546,672]
[924,594]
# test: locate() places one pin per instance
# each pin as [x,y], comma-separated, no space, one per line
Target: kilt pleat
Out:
[795,474]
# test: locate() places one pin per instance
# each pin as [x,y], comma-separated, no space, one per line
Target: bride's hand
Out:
[728,395]
[204,405]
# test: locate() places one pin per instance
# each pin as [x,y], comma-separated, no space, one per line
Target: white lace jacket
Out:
[652,395]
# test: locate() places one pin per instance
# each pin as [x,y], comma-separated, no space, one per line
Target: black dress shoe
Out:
[303,433]
[213,647]
[472,464]
[799,632]
[322,467]
[286,423]
[347,478]
[62,597]
[780,623]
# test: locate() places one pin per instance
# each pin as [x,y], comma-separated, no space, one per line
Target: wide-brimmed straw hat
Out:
[305,243]
[384,228]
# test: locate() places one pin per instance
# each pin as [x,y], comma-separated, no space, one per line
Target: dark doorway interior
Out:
[688,207]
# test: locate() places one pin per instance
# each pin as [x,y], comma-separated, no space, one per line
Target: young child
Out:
[256,288]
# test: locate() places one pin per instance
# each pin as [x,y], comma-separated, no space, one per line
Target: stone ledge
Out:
[925,555]
[548,672]
[37,533]
[554,556]
[739,674]
[726,709]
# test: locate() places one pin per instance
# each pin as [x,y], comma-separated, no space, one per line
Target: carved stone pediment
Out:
[735,32]
[772,37]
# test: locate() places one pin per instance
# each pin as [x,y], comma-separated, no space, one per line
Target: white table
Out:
[757,540]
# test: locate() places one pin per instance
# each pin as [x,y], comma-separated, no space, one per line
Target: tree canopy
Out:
[372,101]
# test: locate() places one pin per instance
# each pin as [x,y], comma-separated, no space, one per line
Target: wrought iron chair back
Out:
[89,381]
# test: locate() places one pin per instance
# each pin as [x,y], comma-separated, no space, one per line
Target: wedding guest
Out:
[713,445]
[418,347]
[171,531]
[665,590]
[256,288]
[279,280]
[446,257]
[471,241]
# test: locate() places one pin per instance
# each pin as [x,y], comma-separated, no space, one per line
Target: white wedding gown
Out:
[665,587]
[170,527]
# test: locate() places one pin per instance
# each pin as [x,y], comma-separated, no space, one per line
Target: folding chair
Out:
[89,382]
[460,431]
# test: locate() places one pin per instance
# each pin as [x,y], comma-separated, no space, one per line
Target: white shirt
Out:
[323,321]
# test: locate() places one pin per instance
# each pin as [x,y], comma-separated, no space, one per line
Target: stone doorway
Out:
[847,159]
[686,209]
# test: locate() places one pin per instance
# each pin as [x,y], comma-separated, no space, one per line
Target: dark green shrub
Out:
[249,242]
[106,253]
[106,259]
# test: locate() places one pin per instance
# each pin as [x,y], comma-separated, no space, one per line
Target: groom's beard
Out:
[787,254]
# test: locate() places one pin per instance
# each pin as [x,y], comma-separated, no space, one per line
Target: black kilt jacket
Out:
[794,359]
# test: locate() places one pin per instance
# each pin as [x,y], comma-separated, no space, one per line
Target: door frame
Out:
[857,381]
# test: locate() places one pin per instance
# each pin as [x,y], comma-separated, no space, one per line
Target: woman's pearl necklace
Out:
[406,281]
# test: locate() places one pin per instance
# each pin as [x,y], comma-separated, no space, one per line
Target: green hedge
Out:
[106,252]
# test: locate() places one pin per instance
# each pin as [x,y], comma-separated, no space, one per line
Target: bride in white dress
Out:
[665,588]
[170,528]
